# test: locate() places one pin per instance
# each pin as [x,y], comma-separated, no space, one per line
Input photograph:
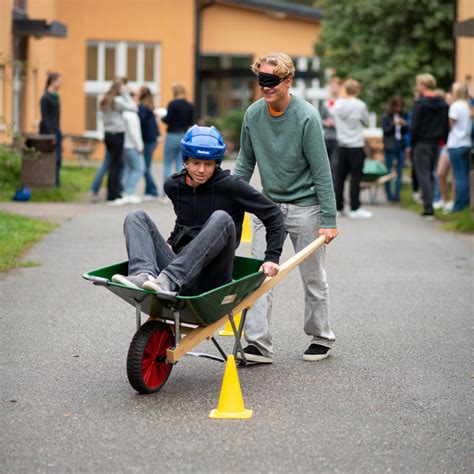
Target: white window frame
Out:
[100,86]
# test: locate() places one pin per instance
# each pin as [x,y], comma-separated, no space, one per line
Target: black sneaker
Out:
[429,216]
[252,354]
[316,352]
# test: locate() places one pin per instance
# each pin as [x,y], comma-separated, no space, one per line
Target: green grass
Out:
[456,221]
[75,182]
[17,235]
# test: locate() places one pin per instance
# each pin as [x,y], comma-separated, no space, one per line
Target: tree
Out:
[384,44]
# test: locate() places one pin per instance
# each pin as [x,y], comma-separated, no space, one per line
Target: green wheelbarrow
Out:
[176,325]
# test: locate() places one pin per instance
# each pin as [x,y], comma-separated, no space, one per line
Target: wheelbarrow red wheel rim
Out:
[147,367]
[155,368]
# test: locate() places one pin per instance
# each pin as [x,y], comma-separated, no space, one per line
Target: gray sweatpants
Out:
[302,224]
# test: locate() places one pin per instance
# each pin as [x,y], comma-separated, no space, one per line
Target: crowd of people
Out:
[436,134]
[131,134]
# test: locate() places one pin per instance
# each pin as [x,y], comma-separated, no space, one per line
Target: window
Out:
[132,63]
[110,63]
[91,112]
[149,63]
[226,83]
[138,62]
[92,55]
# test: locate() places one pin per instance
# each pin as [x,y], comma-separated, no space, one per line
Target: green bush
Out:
[10,166]
[230,126]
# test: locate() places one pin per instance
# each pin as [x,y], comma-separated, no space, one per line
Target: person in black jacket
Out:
[395,128]
[150,135]
[179,117]
[210,204]
[429,126]
[50,115]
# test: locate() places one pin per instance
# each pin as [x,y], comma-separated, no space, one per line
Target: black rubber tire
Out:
[158,337]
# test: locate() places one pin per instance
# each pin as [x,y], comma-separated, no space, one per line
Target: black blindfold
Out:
[268,80]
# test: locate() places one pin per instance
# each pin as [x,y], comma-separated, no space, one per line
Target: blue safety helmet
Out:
[203,143]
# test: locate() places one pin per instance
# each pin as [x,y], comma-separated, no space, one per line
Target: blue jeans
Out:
[436,190]
[397,155]
[101,172]
[205,263]
[133,167]
[172,154]
[150,186]
[459,158]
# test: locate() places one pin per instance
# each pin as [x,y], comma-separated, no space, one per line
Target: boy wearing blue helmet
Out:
[209,204]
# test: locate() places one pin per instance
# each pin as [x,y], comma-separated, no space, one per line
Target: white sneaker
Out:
[149,197]
[117,202]
[448,207]
[94,197]
[438,204]
[131,199]
[341,213]
[417,197]
[360,214]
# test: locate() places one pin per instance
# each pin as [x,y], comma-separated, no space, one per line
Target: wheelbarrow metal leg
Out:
[177,334]
[138,312]
[238,335]
[219,348]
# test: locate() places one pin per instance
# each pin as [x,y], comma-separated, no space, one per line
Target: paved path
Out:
[395,396]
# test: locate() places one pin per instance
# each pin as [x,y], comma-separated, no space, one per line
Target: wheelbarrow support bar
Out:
[199,334]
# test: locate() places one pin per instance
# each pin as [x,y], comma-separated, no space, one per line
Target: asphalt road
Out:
[396,395]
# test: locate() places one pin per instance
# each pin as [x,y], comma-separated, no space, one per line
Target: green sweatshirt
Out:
[291,156]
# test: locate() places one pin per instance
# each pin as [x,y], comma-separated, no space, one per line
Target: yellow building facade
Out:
[207,45]
[465,42]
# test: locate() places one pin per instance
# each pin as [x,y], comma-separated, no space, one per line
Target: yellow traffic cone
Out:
[231,403]
[227,331]
[246,230]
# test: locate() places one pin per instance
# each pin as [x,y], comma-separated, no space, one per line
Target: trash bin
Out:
[38,164]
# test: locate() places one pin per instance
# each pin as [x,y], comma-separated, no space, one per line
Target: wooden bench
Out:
[373,186]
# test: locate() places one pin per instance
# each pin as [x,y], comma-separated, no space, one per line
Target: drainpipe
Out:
[197,59]
[455,12]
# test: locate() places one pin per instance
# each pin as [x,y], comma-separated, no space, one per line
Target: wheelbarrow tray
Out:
[200,310]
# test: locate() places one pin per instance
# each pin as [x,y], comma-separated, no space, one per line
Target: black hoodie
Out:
[429,122]
[223,191]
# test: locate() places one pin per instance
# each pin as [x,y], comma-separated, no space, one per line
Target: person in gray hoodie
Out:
[116,100]
[350,115]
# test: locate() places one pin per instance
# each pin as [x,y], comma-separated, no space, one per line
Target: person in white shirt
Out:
[351,116]
[115,101]
[459,143]
[132,156]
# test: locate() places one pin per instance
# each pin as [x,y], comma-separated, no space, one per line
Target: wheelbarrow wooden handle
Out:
[201,333]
